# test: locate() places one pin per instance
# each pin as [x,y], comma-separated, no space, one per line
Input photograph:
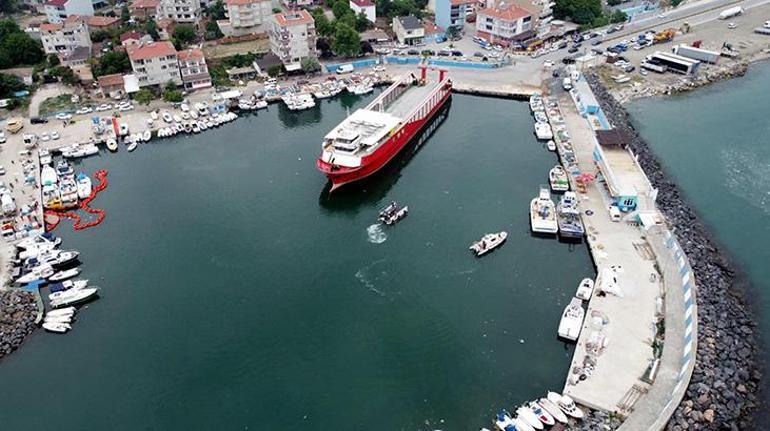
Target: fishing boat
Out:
[572,320]
[585,289]
[566,404]
[84,185]
[63,275]
[540,117]
[536,103]
[525,414]
[568,215]
[391,214]
[369,138]
[543,131]
[542,213]
[74,296]
[63,169]
[488,243]
[360,89]
[557,177]
[59,328]
[542,414]
[553,409]
[68,311]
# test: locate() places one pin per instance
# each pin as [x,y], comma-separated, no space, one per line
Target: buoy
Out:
[56,216]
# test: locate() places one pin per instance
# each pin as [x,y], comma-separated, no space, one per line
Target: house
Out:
[245,17]
[144,9]
[58,10]
[366,7]
[454,13]
[264,64]
[292,38]
[77,57]
[133,37]
[193,68]
[409,30]
[165,28]
[433,33]
[180,11]
[111,86]
[62,38]
[97,22]
[504,25]
[154,63]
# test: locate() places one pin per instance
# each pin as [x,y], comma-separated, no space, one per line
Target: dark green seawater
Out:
[238,295]
[715,144]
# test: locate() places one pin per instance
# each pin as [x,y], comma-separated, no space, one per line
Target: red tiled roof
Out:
[110,80]
[509,13]
[102,21]
[363,3]
[133,34]
[190,54]
[242,2]
[51,27]
[294,18]
[431,28]
[56,2]
[165,23]
[145,4]
[459,2]
[151,50]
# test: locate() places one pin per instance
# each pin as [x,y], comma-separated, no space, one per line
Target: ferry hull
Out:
[339,176]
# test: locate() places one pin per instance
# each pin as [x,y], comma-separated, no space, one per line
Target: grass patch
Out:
[59,103]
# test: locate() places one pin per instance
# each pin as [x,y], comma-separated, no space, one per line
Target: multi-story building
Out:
[154,63]
[144,9]
[503,25]
[409,30]
[62,38]
[366,7]
[192,67]
[453,13]
[102,22]
[245,16]
[182,11]
[292,38]
[293,4]
[58,10]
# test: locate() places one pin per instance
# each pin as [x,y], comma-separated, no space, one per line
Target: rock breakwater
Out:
[723,391]
[18,310]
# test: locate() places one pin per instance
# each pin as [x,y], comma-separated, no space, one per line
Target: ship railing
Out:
[430,101]
[384,98]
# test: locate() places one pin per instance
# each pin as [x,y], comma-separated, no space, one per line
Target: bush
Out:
[183,35]
[112,62]
[144,96]
[310,65]
[172,96]
[274,71]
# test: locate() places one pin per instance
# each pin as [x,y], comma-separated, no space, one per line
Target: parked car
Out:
[2,137]
[443,53]
[629,68]
[596,42]
[45,137]
[63,116]
[478,54]
[38,120]
[413,52]
[456,53]
[55,135]
[573,49]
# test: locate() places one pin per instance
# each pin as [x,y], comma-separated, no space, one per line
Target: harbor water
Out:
[237,294]
[715,145]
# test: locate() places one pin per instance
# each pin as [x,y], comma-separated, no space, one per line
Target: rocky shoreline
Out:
[723,392]
[18,310]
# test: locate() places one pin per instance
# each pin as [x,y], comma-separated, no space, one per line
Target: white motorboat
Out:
[57,327]
[74,284]
[146,135]
[260,104]
[551,145]
[553,409]
[542,414]
[536,103]
[131,146]
[566,404]
[177,119]
[542,213]
[195,128]
[540,117]
[36,250]
[360,89]
[392,213]
[193,115]
[66,318]
[557,177]
[34,241]
[543,131]
[154,116]
[585,289]
[73,296]
[112,144]
[45,156]
[184,107]
[525,414]
[68,311]
[503,420]
[65,257]
[167,117]
[63,275]
[571,321]
[568,204]
[48,175]
[488,243]
[520,424]
[84,186]
[37,273]
[323,94]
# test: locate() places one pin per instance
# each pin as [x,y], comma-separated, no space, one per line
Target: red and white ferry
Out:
[370,137]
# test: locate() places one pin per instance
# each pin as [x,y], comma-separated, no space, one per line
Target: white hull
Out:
[63,275]
[585,289]
[74,297]
[572,320]
[58,328]
[553,409]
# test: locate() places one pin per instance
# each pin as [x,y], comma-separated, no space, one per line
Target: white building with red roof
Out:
[245,17]
[293,37]
[503,24]
[154,63]
[365,7]
[193,68]
[62,38]
[58,10]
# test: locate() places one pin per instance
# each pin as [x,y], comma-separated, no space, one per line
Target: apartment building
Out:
[144,9]
[181,11]
[409,30]
[292,38]
[504,25]
[62,38]
[245,17]
[192,67]
[154,63]
[58,10]
[366,7]
[453,13]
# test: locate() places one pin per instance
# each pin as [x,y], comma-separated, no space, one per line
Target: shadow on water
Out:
[376,186]
[291,119]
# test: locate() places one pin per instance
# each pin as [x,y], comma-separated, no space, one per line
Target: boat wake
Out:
[744,172]
[375,234]
[369,275]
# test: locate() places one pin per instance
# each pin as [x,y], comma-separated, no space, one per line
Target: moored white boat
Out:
[67,311]
[542,414]
[551,145]
[557,177]
[74,296]
[553,409]
[65,318]
[146,135]
[84,186]
[503,420]
[520,424]
[585,289]
[56,327]
[566,404]
[488,243]
[571,321]
[528,416]
[543,131]
[63,275]
[542,213]
[132,146]
[112,144]
[38,273]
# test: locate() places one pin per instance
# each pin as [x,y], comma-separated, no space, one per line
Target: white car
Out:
[732,25]
[154,115]
[55,135]
[103,107]
[63,116]
[45,137]
[184,107]
[2,137]
[379,68]
[548,64]
[2,170]
[125,107]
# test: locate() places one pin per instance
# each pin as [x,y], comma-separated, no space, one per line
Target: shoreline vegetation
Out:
[724,389]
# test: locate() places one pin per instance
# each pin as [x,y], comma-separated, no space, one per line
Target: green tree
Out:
[53,60]
[310,65]
[322,24]
[216,10]
[67,75]
[151,28]
[453,33]
[183,35]
[9,6]
[579,11]
[274,71]
[17,49]
[618,16]
[172,95]
[100,35]
[10,84]
[362,22]
[341,8]
[125,15]
[212,31]
[144,96]
[614,2]
[346,41]
[112,62]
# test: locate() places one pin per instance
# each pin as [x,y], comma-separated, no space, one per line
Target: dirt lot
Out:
[219,51]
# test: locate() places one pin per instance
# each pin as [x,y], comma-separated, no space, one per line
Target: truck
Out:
[653,67]
[731,12]
[345,68]
[696,53]
[7,205]
[664,36]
